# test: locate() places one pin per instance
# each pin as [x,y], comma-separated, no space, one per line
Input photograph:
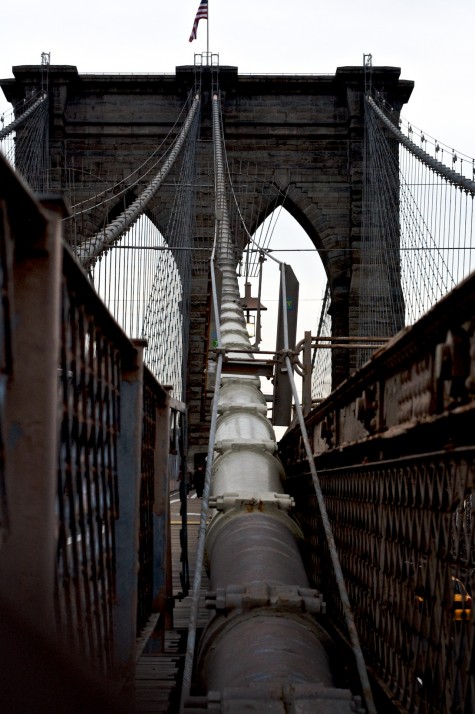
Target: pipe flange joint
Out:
[279,598]
[224,445]
[264,502]
[230,408]
[297,697]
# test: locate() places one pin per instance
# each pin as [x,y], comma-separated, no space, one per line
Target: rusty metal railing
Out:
[154,584]
[113,460]
[87,496]
[394,448]
[72,401]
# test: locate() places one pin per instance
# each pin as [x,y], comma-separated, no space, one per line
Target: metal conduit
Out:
[262,642]
[89,251]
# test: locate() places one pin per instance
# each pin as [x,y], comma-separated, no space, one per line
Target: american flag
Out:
[202,14]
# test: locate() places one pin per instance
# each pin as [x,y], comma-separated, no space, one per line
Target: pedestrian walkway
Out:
[160,652]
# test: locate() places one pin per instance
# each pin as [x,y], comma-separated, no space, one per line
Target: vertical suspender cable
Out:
[350,622]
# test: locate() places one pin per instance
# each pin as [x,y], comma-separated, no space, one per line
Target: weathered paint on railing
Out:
[154,586]
[394,449]
[71,422]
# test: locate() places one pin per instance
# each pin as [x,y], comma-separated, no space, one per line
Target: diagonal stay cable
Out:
[90,250]
[350,621]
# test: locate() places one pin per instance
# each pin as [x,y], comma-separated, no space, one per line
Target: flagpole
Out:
[207,37]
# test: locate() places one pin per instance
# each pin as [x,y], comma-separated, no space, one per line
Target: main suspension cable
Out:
[89,251]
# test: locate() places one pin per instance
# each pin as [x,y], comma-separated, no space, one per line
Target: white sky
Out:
[432,42]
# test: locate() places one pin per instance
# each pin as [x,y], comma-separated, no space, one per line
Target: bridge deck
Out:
[160,652]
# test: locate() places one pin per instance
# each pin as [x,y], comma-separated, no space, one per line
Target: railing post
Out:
[128,523]
[27,559]
[162,564]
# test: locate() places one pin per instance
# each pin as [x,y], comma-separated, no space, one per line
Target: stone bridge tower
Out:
[300,136]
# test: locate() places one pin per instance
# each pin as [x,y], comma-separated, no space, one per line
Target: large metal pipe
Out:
[263,637]
[262,648]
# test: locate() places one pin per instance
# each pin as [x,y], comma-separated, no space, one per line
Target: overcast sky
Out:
[432,42]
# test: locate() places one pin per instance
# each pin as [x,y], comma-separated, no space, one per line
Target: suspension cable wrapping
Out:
[416,232]
[120,188]
[90,250]
[24,142]
[450,175]
[19,120]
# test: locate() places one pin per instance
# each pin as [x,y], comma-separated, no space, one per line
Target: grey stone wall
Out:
[302,136]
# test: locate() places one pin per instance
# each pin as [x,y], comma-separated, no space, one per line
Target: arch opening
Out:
[290,243]
[141,284]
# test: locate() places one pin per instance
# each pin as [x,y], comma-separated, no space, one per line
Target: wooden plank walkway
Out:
[160,653]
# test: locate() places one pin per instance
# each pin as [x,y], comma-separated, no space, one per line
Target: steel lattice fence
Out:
[404,532]
[87,497]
